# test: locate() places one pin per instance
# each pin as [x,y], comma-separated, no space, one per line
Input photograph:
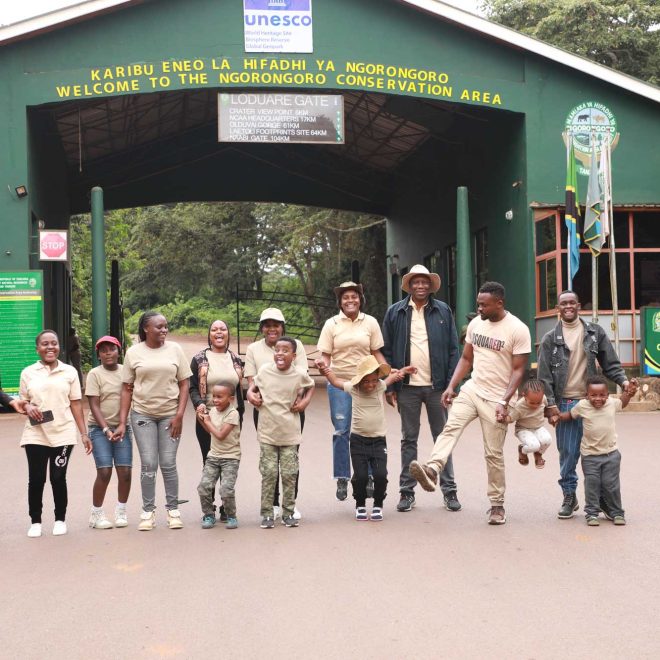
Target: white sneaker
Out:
[174,519]
[277,512]
[97,520]
[59,528]
[120,518]
[296,514]
[147,521]
[35,530]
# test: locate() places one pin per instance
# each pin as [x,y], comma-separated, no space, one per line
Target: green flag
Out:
[593,231]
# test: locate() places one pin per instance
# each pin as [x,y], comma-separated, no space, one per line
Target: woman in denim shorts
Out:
[103,390]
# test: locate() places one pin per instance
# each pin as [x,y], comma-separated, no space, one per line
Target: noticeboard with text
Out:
[650,321]
[282,118]
[21,319]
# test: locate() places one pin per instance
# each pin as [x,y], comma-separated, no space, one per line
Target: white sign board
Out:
[306,118]
[278,26]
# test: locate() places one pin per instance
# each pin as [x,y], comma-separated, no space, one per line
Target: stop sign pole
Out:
[99,284]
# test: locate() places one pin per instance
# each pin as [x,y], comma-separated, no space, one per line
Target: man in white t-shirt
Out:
[497,347]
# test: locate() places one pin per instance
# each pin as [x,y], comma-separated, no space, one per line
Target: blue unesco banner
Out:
[278,26]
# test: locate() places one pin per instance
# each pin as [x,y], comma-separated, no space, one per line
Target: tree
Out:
[624,35]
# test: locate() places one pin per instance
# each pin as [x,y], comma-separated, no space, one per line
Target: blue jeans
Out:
[107,453]
[156,447]
[569,436]
[341,408]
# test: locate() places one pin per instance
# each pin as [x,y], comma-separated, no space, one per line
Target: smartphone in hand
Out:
[46,416]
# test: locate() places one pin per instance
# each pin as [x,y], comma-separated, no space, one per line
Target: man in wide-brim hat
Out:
[420,331]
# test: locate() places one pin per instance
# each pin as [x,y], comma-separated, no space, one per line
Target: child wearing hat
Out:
[367,440]
[103,390]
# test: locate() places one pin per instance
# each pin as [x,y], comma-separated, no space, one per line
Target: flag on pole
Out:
[572,214]
[593,230]
[606,193]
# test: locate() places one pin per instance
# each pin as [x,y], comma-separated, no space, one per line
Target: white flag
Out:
[606,194]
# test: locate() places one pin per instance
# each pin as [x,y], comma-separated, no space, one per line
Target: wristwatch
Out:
[504,403]
[105,430]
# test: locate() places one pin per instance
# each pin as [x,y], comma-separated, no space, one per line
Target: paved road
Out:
[425,583]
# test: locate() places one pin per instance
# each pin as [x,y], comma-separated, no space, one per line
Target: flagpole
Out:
[613,275]
[594,259]
[569,145]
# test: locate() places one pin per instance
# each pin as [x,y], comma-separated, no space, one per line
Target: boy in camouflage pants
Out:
[281,392]
[223,459]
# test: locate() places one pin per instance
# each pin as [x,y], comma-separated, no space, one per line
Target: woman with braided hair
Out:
[155,389]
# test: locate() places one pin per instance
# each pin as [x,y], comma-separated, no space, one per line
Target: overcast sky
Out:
[11,11]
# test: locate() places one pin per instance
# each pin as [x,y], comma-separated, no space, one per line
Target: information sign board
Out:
[21,320]
[301,118]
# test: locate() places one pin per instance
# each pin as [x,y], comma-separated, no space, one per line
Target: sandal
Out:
[523,459]
[539,461]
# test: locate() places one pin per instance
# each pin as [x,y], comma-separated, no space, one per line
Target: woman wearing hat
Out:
[51,391]
[345,339]
[272,327]
[103,391]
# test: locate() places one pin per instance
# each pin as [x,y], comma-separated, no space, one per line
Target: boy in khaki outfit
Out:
[224,457]
[601,460]
[281,391]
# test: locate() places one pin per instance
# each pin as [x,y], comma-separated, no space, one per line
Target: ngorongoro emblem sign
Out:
[587,122]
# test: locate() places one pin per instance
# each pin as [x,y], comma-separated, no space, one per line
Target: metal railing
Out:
[293,306]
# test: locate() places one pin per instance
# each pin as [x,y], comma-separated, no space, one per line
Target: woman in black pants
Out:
[51,390]
[211,366]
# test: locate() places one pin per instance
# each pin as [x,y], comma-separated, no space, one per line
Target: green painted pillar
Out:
[465,296]
[99,284]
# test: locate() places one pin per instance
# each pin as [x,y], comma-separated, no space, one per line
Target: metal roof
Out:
[85,10]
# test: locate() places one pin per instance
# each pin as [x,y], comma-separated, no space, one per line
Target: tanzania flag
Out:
[572,215]
[593,228]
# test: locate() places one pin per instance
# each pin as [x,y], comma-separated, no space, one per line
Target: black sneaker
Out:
[451,501]
[342,489]
[289,521]
[370,487]
[568,506]
[406,502]
[267,523]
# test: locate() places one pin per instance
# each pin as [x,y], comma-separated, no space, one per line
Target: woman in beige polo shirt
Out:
[155,377]
[53,405]
[345,339]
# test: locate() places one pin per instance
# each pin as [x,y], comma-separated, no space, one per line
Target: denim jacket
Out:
[554,354]
[441,331]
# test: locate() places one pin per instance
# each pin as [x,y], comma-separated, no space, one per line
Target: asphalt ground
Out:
[428,583]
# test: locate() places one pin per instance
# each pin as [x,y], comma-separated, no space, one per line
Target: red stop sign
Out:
[53,245]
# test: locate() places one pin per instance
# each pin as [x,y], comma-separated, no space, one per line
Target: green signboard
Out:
[21,319]
[650,317]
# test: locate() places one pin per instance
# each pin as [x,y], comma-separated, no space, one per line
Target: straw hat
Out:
[417,270]
[271,314]
[346,286]
[368,365]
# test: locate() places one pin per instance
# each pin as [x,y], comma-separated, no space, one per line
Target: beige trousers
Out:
[467,406]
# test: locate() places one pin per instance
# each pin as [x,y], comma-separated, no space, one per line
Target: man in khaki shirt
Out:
[419,331]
